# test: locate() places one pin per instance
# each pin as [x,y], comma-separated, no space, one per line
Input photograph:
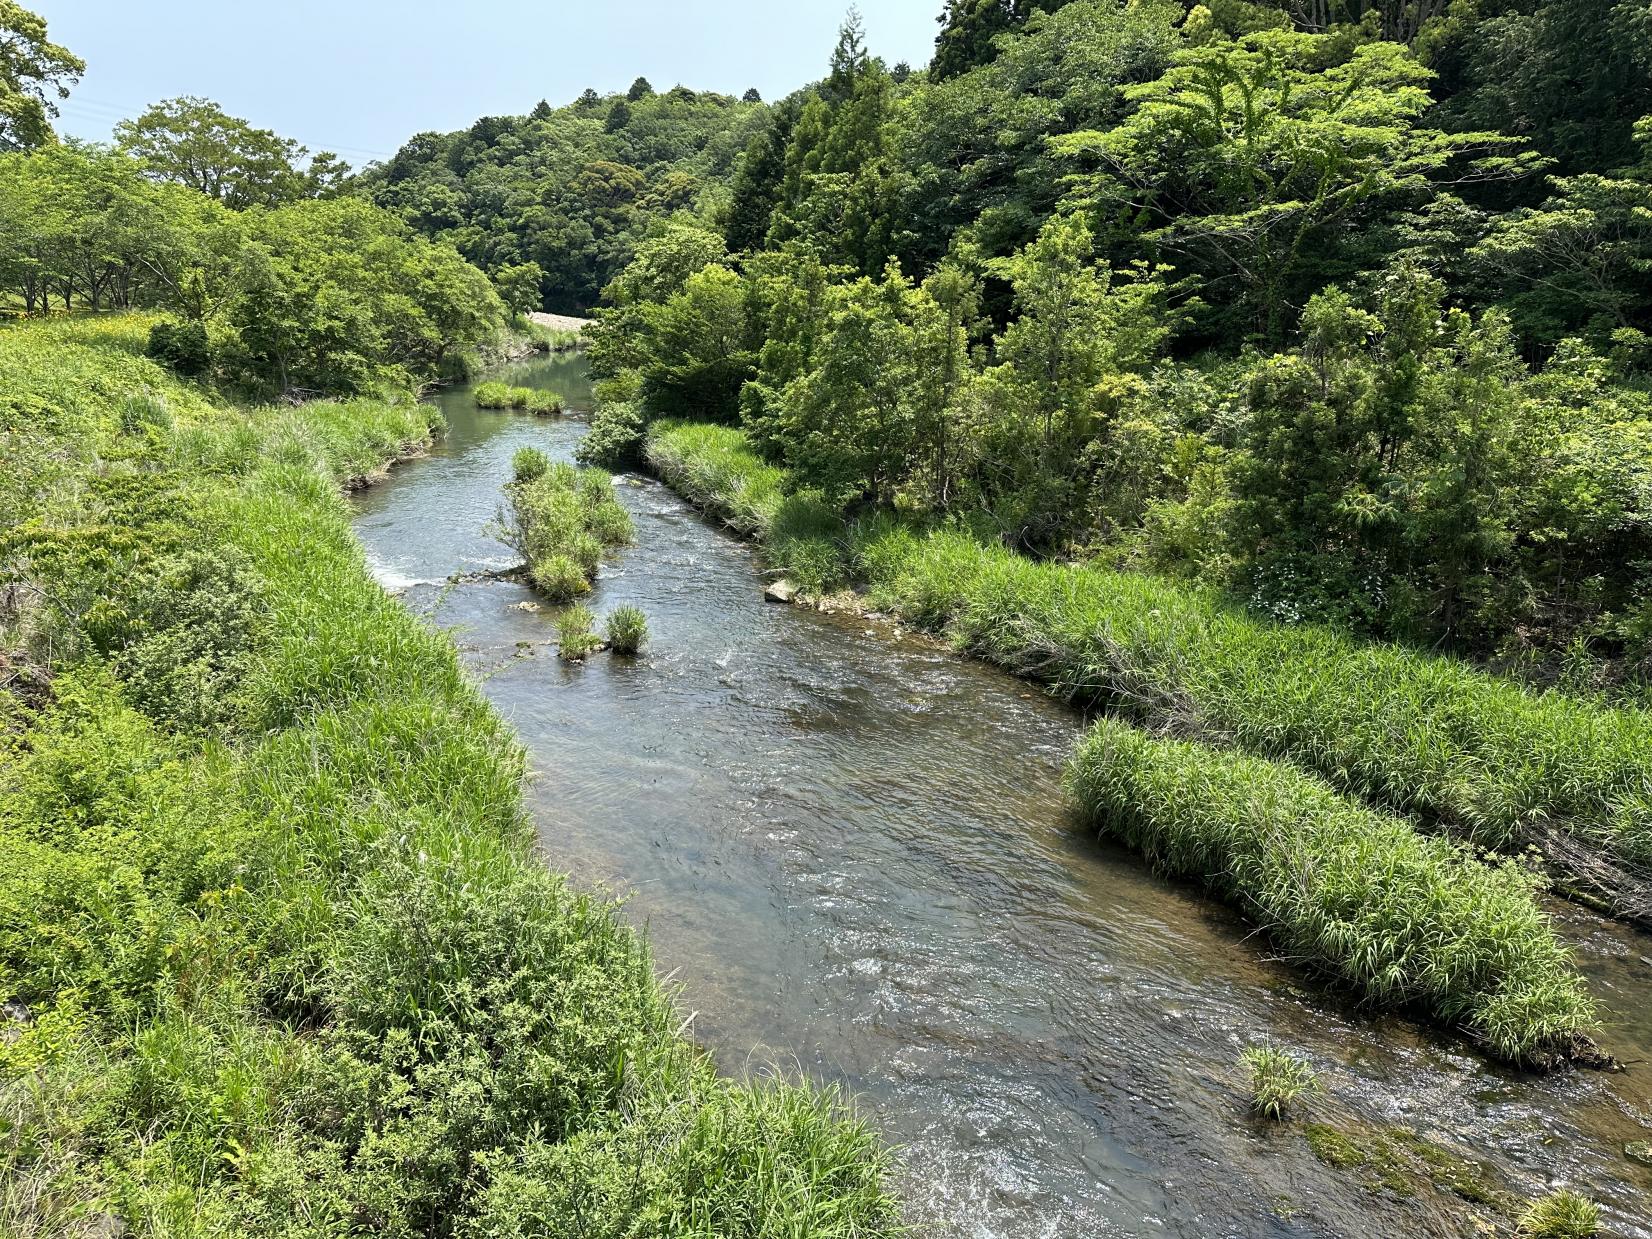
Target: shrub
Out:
[1277,1080]
[1561,1215]
[576,633]
[529,464]
[182,347]
[627,630]
[1408,921]
[559,578]
[544,403]
[519,397]
[492,395]
[615,438]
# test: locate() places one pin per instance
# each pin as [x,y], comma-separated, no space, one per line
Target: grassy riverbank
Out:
[277,952]
[1414,734]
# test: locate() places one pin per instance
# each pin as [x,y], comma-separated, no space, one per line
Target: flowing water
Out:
[852,851]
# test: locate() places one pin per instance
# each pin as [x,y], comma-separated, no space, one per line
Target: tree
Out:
[541,111]
[193,142]
[752,95]
[619,116]
[970,29]
[34,74]
[640,89]
[519,286]
[589,99]
[697,348]
[1264,168]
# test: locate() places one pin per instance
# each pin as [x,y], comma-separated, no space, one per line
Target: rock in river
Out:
[781,591]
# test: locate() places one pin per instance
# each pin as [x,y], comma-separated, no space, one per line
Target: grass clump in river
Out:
[1489,760]
[576,633]
[1405,920]
[1277,1080]
[561,521]
[496,395]
[627,630]
[289,964]
[1561,1215]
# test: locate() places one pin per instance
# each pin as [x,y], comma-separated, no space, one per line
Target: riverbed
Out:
[852,854]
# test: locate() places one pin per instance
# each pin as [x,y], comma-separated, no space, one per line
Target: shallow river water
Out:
[852,851]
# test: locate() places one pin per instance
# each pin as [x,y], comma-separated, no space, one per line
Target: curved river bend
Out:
[851,850]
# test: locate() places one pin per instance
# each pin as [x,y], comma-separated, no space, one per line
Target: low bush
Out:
[182,347]
[529,464]
[1406,921]
[492,395]
[561,521]
[1561,1215]
[576,633]
[544,403]
[627,630]
[1277,1080]
[614,440]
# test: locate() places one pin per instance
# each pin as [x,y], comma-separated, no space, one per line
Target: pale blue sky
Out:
[360,76]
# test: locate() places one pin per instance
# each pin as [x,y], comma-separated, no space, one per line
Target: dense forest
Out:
[1342,307]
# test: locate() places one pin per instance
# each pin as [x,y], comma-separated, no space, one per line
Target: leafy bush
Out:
[492,395]
[1277,1080]
[529,464]
[561,521]
[519,397]
[182,347]
[627,630]
[1406,920]
[615,438]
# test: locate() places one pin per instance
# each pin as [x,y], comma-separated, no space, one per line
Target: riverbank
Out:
[1413,734]
[275,945]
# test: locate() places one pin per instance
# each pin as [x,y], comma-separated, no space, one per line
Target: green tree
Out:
[1263,168]
[193,142]
[34,74]
[970,30]
[640,89]
[697,350]
[519,285]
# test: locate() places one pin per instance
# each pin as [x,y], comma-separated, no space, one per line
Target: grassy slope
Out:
[1375,720]
[267,889]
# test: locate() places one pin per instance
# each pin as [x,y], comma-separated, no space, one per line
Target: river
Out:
[852,854]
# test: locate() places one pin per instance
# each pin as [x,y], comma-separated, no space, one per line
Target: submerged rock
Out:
[781,591]
[1640,1152]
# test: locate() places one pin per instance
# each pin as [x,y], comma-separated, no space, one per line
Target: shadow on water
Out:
[852,852]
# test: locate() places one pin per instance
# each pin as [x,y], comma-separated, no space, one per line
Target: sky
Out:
[359,77]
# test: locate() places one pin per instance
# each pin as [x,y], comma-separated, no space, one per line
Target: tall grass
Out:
[561,521]
[1491,761]
[1404,920]
[301,972]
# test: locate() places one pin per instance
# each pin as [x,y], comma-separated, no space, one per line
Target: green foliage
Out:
[183,347]
[492,395]
[1277,1080]
[576,633]
[1405,920]
[544,403]
[561,520]
[566,190]
[194,143]
[627,630]
[1561,1215]
[315,979]
[34,74]
[529,464]
[615,437]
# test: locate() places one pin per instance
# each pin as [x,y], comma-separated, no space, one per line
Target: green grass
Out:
[291,963]
[1403,920]
[561,521]
[627,630]
[576,633]
[1561,1215]
[1491,761]
[1277,1080]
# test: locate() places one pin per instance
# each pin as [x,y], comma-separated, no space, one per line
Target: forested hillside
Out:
[553,203]
[1342,308]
